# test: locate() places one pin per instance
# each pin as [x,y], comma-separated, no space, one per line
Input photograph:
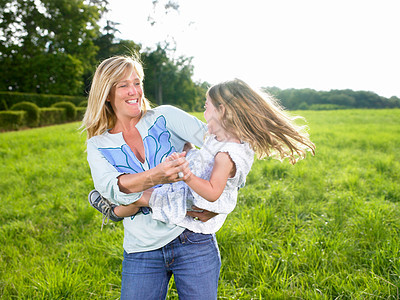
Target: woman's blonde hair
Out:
[99,114]
[260,121]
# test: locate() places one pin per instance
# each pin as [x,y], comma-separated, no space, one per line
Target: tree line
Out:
[54,46]
[304,99]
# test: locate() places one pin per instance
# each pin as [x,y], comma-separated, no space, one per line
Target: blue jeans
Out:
[194,260]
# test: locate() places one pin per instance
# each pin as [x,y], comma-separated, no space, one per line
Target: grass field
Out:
[325,228]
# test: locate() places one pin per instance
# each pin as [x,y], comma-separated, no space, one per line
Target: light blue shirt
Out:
[164,130]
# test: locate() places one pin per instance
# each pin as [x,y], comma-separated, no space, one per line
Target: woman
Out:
[126,147]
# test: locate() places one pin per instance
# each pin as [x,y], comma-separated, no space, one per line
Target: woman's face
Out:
[126,97]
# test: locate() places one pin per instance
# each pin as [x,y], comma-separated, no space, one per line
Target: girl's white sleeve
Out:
[105,177]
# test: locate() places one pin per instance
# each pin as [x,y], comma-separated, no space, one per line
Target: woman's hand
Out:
[171,170]
[203,215]
[185,172]
[174,168]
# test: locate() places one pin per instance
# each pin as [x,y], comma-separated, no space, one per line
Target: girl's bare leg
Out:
[131,209]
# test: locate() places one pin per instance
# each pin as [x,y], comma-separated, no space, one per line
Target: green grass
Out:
[325,228]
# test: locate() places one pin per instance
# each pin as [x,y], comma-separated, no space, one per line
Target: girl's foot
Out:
[104,206]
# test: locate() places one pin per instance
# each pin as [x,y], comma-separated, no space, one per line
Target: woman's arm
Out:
[212,189]
[124,188]
[183,125]
[166,172]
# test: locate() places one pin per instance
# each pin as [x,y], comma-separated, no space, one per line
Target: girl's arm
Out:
[212,189]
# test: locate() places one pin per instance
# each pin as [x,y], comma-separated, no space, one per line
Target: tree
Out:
[393,102]
[109,45]
[47,44]
[341,99]
[168,6]
[169,81]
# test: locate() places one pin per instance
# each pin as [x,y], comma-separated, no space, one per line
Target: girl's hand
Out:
[175,156]
[185,172]
[203,216]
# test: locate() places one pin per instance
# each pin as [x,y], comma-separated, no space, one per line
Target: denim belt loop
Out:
[182,236]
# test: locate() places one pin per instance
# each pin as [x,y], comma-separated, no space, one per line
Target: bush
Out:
[32,112]
[70,109]
[11,120]
[52,115]
[3,105]
[41,100]
[83,103]
[80,112]
[303,106]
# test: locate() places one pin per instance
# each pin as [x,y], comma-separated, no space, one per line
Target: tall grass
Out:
[325,228]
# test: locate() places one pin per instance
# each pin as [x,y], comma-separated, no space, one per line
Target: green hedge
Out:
[11,120]
[3,104]
[28,114]
[52,115]
[80,112]
[8,99]
[32,112]
[69,107]
[84,103]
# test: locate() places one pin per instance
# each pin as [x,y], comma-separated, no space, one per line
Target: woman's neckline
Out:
[120,132]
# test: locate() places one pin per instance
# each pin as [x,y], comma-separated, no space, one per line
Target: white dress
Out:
[170,202]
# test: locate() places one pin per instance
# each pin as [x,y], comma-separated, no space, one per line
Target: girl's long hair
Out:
[260,121]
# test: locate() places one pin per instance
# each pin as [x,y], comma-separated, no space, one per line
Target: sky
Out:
[317,44]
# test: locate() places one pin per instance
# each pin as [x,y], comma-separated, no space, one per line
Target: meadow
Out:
[325,228]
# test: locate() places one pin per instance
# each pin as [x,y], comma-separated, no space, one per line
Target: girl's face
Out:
[212,116]
[126,97]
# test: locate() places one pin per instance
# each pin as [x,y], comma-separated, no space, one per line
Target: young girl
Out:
[240,122]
